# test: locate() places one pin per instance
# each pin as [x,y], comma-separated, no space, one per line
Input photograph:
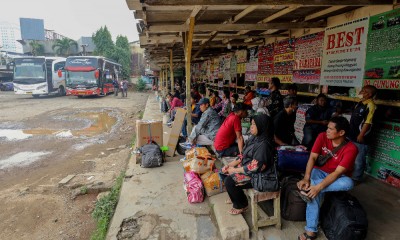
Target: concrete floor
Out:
[167,201]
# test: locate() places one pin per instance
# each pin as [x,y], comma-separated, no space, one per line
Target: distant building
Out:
[138,63]
[85,46]
[9,34]
[32,29]
[51,35]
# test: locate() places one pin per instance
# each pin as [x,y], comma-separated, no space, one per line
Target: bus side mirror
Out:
[59,73]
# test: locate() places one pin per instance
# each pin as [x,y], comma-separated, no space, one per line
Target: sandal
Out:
[235,211]
[302,195]
[228,201]
[307,237]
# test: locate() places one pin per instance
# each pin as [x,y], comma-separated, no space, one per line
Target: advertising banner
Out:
[384,154]
[284,60]
[252,65]
[344,54]
[241,56]
[382,66]
[308,58]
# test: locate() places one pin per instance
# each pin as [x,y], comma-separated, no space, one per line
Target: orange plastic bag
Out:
[197,151]
[199,164]
[212,183]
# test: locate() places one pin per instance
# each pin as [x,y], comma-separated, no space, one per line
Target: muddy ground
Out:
[44,140]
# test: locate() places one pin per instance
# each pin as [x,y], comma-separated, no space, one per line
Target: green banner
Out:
[384,153]
[382,66]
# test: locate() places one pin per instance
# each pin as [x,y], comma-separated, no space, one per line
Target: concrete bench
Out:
[258,216]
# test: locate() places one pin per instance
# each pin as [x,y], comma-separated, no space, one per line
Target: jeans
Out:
[361,161]
[231,151]
[308,138]
[343,183]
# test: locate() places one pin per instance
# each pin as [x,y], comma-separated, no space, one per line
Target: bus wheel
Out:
[61,91]
[35,95]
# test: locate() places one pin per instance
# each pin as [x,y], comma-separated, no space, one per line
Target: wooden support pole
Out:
[162,82]
[171,69]
[189,39]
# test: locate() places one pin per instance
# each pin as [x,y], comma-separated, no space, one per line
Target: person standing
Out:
[360,128]
[333,176]
[124,88]
[275,99]
[116,87]
[248,96]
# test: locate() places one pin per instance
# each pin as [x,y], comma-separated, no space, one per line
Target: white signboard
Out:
[344,54]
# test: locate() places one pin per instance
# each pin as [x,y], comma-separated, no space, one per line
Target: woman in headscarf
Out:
[257,156]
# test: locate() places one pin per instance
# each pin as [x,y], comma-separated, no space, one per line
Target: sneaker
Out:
[186,145]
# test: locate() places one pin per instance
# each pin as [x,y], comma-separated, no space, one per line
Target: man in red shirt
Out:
[230,131]
[332,176]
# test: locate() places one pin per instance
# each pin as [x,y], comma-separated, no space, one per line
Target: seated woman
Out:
[257,156]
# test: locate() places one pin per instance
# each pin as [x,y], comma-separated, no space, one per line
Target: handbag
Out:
[321,160]
[266,181]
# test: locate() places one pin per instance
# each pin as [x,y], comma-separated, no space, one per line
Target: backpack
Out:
[342,217]
[164,106]
[151,155]
[293,208]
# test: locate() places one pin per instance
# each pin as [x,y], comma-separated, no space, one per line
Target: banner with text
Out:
[384,154]
[284,60]
[344,54]
[308,58]
[382,66]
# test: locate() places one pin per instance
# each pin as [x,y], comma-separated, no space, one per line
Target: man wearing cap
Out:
[230,131]
[206,129]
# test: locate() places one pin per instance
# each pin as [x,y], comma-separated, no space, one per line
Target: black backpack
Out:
[164,106]
[293,208]
[151,155]
[342,217]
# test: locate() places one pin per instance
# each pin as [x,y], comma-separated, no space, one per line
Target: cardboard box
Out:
[175,131]
[147,128]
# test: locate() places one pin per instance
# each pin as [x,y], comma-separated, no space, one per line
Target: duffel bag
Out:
[293,208]
[342,217]
[292,161]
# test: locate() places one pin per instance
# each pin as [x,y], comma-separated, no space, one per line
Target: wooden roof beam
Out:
[194,12]
[266,2]
[236,27]
[274,16]
[323,12]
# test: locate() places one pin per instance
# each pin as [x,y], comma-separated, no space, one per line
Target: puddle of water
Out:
[11,134]
[21,159]
[101,122]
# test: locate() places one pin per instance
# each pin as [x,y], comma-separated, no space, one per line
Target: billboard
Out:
[32,29]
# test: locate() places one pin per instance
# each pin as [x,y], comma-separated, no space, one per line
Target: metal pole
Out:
[188,78]
[171,72]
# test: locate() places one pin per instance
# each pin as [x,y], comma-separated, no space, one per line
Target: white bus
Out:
[39,76]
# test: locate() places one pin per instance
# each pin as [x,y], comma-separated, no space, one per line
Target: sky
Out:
[74,18]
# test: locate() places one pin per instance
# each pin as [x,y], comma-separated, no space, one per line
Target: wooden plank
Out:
[194,12]
[323,12]
[236,27]
[171,71]
[268,2]
[188,75]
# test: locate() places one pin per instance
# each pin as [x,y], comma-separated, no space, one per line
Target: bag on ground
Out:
[199,164]
[212,183]
[293,208]
[342,217]
[164,106]
[151,155]
[290,160]
[193,187]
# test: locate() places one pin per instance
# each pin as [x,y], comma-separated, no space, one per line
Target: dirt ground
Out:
[44,140]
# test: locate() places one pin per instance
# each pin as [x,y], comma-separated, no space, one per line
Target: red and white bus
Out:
[90,75]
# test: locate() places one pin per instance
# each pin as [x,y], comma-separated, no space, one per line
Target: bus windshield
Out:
[29,71]
[83,78]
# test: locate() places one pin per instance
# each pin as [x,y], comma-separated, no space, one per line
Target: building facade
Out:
[9,34]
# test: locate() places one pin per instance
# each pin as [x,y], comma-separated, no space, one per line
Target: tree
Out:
[103,41]
[119,52]
[63,46]
[36,48]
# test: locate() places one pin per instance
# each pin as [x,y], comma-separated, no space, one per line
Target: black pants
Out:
[236,193]
[231,151]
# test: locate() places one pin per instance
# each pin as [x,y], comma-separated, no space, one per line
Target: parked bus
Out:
[39,75]
[90,75]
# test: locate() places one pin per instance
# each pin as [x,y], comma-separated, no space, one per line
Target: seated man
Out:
[231,130]
[196,115]
[332,176]
[204,132]
[284,123]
